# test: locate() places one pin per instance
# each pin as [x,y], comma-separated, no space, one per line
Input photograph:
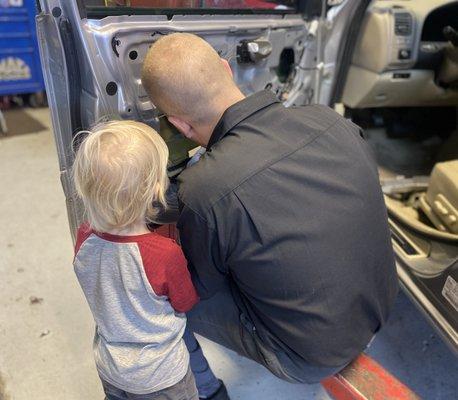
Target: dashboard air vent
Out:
[402,24]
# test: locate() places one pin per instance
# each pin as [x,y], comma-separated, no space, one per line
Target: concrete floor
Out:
[46,328]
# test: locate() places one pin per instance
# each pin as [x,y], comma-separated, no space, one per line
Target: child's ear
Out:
[182,126]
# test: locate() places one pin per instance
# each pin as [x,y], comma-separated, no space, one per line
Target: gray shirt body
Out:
[138,343]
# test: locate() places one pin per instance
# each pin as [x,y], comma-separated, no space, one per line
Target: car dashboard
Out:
[399,54]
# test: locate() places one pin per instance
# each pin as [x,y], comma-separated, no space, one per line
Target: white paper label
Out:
[14,69]
[11,3]
[450,291]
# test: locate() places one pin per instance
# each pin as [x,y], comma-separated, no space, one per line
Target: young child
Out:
[135,281]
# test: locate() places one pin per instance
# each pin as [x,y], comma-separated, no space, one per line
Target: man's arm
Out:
[171,214]
[201,246]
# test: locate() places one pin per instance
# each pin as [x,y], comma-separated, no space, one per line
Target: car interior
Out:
[402,88]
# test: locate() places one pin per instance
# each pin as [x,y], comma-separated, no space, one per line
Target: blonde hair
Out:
[183,75]
[120,173]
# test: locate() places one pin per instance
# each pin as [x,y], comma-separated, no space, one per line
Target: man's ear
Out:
[227,66]
[182,126]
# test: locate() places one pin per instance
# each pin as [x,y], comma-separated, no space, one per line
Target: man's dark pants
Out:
[220,320]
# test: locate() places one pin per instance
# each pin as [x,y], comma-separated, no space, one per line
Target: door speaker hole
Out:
[111,88]
[286,64]
[56,12]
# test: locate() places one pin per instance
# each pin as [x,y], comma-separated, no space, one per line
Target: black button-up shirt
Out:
[286,204]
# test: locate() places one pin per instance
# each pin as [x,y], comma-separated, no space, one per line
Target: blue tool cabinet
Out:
[20,69]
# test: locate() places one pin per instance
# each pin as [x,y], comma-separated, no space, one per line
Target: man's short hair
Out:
[120,173]
[183,75]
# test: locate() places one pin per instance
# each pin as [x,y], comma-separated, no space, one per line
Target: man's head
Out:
[120,173]
[188,81]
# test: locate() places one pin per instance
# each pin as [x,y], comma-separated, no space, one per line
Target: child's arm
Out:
[180,290]
[167,273]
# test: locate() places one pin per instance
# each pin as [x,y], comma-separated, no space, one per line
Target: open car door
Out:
[92,52]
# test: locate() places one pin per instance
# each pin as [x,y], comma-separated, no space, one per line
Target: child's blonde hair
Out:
[120,173]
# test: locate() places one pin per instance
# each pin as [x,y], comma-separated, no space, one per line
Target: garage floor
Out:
[46,327]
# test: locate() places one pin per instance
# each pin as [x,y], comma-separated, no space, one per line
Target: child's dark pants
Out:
[183,390]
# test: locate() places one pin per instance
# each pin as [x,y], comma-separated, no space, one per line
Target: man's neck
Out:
[223,104]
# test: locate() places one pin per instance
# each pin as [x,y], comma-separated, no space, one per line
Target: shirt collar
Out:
[239,111]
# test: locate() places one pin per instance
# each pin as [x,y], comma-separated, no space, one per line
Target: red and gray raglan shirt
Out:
[138,289]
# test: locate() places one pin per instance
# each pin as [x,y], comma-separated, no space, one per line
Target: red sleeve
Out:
[167,272]
[84,231]
[180,290]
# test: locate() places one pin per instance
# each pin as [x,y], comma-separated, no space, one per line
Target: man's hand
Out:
[199,152]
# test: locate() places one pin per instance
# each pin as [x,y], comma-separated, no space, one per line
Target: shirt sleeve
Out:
[201,247]
[84,231]
[170,214]
[179,288]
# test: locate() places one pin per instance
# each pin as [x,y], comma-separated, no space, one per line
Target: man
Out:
[282,220]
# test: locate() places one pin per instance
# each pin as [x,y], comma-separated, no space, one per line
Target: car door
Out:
[92,52]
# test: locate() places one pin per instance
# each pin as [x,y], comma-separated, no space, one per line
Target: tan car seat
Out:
[440,202]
